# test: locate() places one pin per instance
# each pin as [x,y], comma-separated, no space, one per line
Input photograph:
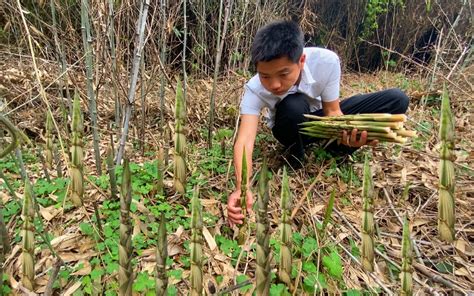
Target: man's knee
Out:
[292,107]
[399,100]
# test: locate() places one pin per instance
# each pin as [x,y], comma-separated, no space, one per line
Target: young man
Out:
[292,81]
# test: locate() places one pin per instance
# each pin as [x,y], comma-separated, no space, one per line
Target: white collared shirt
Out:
[320,80]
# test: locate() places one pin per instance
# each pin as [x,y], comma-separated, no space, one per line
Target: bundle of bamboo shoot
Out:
[379,126]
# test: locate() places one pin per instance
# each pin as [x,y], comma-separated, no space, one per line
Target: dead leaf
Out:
[209,238]
[85,270]
[49,213]
[463,272]
[72,289]
[463,247]
[317,209]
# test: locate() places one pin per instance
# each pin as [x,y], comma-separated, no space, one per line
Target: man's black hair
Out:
[277,39]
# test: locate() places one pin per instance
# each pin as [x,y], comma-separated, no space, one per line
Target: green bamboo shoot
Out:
[243,228]
[368,224]
[285,263]
[28,234]
[407,257]
[125,246]
[196,245]
[263,234]
[77,154]
[180,141]
[447,179]
[161,256]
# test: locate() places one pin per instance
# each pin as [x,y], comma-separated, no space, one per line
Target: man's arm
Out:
[332,108]
[245,138]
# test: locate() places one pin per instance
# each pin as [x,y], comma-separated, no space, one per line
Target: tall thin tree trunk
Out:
[111,36]
[220,47]
[87,40]
[134,77]
[143,102]
[63,83]
[185,34]
[163,61]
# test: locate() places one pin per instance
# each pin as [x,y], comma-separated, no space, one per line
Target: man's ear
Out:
[302,59]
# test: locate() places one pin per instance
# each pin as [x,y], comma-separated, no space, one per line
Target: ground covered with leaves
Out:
[325,261]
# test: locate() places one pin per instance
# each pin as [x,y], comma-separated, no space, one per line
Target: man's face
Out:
[279,75]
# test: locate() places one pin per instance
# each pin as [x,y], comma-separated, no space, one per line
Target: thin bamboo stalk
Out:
[111,171]
[161,256]
[285,263]
[125,246]
[49,141]
[57,160]
[87,41]
[4,243]
[77,154]
[63,83]
[243,228]
[28,244]
[163,61]
[407,258]
[180,141]
[183,57]
[134,77]
[196,276]
[113,55]
[361,117]
[143,103]
[160,187]
[13,133]
[368,223]
[220,47]
[447,179]
[344,126]
[263,234]
[370,137]
[20,163]
[8,185]
[328,212]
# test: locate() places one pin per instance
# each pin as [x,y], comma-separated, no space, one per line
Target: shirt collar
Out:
[306,77]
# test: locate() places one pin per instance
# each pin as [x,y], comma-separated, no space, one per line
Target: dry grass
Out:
[393,167]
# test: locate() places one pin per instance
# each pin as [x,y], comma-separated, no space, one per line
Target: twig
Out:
[54,274]
[415,247]
[234,287]
[438,278]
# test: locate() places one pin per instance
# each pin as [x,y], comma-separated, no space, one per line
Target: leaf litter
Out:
[440,267]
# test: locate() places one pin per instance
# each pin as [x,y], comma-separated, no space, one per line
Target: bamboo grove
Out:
[228,54]
[264,253]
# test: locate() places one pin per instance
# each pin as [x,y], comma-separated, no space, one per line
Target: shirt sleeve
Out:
[251,103]
[331,91]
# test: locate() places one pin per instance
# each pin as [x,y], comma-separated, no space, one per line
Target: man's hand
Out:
[352,141]
[234,210]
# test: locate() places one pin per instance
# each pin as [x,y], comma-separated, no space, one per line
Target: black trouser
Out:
[289,113]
